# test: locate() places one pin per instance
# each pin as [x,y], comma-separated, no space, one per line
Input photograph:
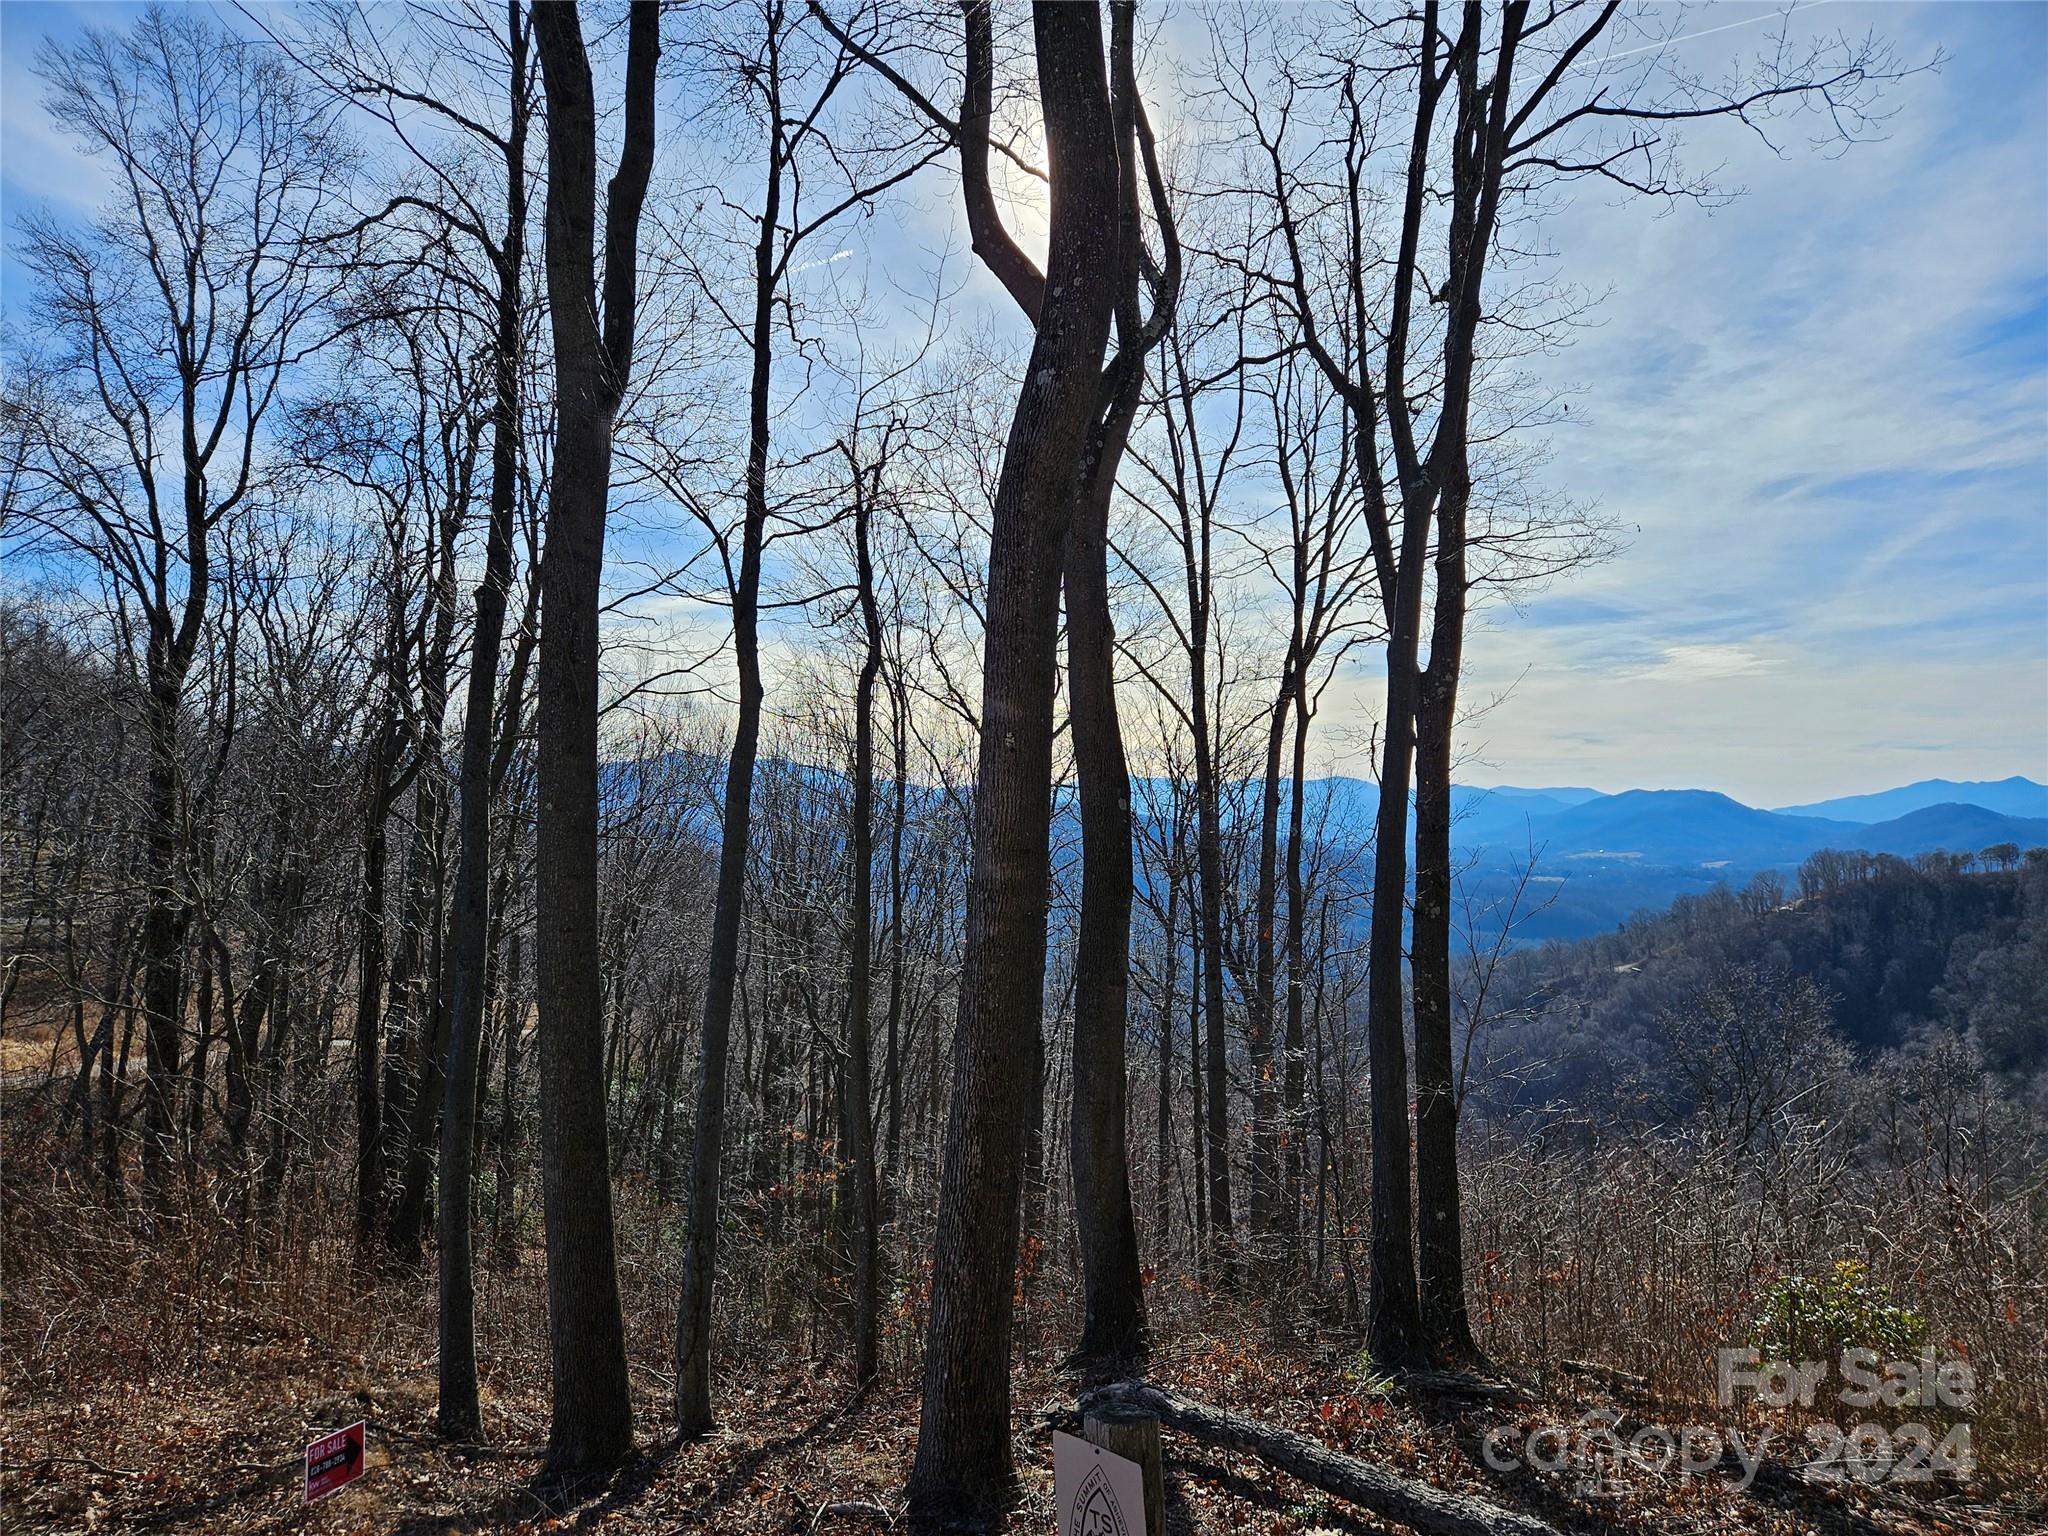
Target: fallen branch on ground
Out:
[1462,1384]
[1420,1506]
[1621,1383]
[41,1464]
[852,1509]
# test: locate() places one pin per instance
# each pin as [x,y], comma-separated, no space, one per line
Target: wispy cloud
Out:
[1681,662]
[1821,416]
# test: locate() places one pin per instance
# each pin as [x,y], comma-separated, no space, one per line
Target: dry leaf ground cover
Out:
[162,1374]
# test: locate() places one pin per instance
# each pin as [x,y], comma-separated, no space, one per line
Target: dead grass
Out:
[162,1374]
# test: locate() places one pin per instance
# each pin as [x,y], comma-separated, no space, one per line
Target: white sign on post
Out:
[1099,1493]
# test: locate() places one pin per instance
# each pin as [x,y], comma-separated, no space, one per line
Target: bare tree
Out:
[173,323]
[795,87]
[1473,113]
[963,1461]
[593,1420]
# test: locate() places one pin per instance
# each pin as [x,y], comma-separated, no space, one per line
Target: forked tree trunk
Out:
[1480,149]
[1113,1333]
[963,1465]
[592,1424]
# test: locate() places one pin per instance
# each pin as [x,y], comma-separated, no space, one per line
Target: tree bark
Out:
[165,911]
[1213,1123]
[963,1466]
[1113,1332]
[460,1415]
[1265,1159]
[1393,1324]
[1294,1079]
[700,1254]
[1480,148]
[1113,1320]
[1419,1506]
[370,1002]
[899,728]
[592,1423]
[1439,1233]
[860,1120]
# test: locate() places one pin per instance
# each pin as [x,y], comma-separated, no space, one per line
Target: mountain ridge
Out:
[2013,796]
[1594,862]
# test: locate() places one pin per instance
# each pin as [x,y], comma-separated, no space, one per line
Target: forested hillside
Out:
[732,782]
[1898,958]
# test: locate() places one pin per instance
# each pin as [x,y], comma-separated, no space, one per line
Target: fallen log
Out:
[1420,1506]
[1621,1383]
[1462,1384]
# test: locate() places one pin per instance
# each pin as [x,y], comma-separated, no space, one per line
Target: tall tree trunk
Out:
[1162,1210]
[1210,1042]
[1479,155]
[1294,1084]
[1197,1108]
[860,1121]
[963,1463]
[1113,1332]
[166,912]
[1265,1159]
[422,964]
[163,925]
[899,728]
[1113,1318]
[1439,1234]
[370,1007]
[700,1253]
[1209,890]
[592,1423]
[503,1187]
[1393,1326]
[460,1416]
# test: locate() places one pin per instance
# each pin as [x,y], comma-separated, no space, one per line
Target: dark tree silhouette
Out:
[593,1419]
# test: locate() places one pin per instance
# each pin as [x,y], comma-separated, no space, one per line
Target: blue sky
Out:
[1819,415]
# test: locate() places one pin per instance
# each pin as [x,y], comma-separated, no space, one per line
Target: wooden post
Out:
[1133,1433]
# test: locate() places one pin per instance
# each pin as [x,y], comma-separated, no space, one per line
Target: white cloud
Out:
[1686,662]
[1821,417]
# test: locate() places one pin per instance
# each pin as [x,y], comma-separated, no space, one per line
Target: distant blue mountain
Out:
[1953,829]
[1507,816]
[2015,796]
[1690,829]
[1600,857]
[1569,861]
[1683,826]
[1564,795]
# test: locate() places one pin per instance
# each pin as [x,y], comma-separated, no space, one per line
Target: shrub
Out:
[1808,1319]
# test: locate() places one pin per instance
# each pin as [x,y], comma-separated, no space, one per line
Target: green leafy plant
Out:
[1804,1318]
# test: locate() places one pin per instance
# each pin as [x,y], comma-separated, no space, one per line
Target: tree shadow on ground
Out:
[587,1503]
[1180,1514]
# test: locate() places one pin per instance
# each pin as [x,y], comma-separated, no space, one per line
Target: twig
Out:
[853,1509]
[33,1467]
